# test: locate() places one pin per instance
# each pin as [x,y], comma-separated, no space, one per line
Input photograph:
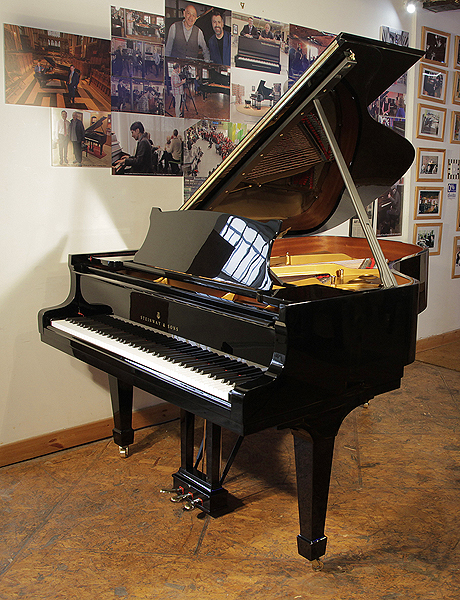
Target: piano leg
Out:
[205,487]
[121,395]
[313,457]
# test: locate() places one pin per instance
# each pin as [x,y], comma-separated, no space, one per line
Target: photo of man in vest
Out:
[185,39]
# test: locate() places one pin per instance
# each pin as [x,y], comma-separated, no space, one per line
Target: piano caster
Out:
[317,565]
[124,451]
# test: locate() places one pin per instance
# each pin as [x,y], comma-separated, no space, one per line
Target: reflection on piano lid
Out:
[297,331]
[258,55]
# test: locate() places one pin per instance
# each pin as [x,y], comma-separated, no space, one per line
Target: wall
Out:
[48,213]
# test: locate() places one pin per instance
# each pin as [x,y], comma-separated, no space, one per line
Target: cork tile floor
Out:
[86,524]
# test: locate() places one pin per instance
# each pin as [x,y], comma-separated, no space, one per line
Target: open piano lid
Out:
[284,168]
[288,174]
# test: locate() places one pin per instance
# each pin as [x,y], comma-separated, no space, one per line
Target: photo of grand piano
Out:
[254,320]
[37,67]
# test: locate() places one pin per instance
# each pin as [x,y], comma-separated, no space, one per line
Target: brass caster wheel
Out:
[317,565]
[124,451]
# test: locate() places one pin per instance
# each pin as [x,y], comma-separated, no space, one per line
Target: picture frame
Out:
[456,88]
[458,215]
[457,52]
[455,128]
[428,235]
[436,46]
[430,164]
[432,84]
[431,122]
[428,202]
[456,258]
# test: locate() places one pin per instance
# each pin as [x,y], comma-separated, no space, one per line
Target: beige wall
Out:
[48,213]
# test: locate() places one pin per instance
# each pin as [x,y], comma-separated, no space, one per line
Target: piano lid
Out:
[95,125]
[285,168]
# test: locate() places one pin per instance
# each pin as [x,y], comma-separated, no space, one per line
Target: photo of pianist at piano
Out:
[220,42]
[142,161]
[185,39]
[77,135]
[250,30]
[72,83]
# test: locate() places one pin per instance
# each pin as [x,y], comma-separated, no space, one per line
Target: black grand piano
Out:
[93,137]
[253,320]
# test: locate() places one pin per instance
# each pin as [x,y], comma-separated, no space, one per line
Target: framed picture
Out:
[432,84]
[456,258]
[458,216]
[430,164]
[455,128]
[428,235]
[431,122]
[457,52]
[456,88]
[436,46]
[428,202]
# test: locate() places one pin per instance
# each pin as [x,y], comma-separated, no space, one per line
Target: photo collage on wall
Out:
[195,79]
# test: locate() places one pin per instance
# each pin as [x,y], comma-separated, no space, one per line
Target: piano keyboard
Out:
[172,359]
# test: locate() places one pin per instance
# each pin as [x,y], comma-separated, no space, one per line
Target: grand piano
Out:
[254,320]
[95,135]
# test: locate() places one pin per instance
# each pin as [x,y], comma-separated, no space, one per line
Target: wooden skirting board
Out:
[438,340]
[82,434]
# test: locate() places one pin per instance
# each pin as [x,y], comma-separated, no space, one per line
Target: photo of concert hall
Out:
[39,64]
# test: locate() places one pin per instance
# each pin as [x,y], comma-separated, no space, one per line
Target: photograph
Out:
[458,216]
[55,69]
[80,138]
[457,52]
[432,84]
[389,211]
[394,36]
[456,88]
[428,203]
[456,258]
[455,128]
[431,122]
[198,32]
[147,145]
[436,46]
[428,235]
[305,45]
[430,164]
[137,25]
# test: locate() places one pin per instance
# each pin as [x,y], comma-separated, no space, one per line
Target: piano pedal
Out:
[124,451]
[179,490]
[181,497]
[192,504]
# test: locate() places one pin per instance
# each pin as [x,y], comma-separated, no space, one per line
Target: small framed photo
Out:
[431,122]
[456,88]
[458,216]
[430,164]
[455,128]
[436,46]
[428,235]
[457,52]
[428,202]
[432,84]
[456,258]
